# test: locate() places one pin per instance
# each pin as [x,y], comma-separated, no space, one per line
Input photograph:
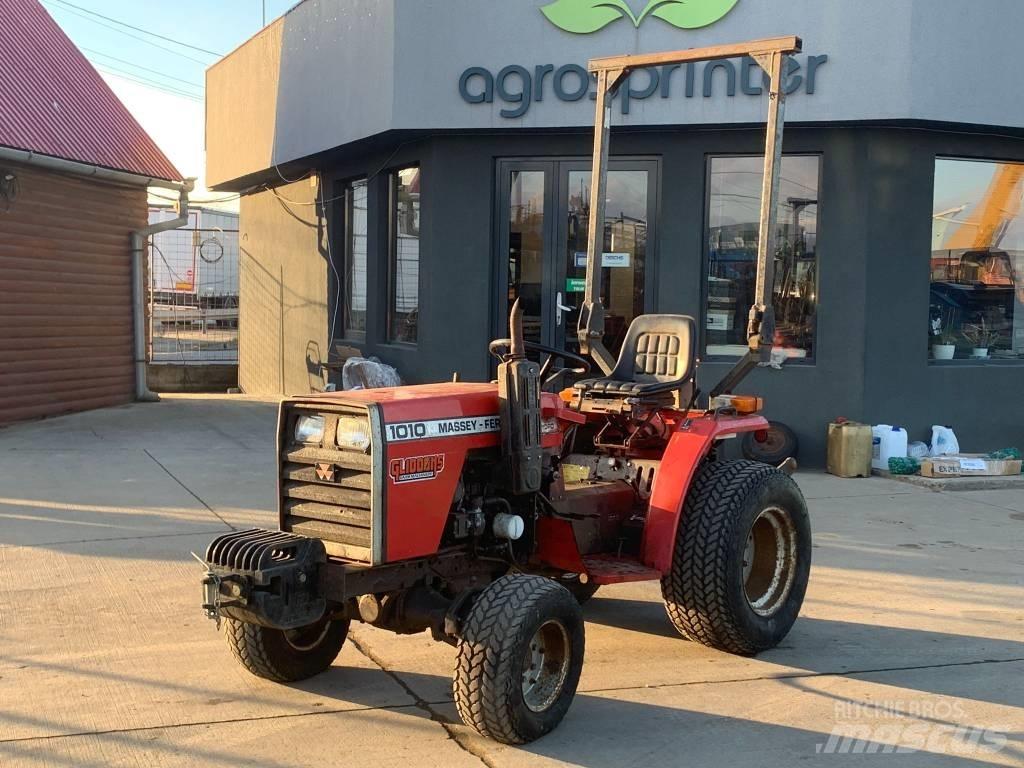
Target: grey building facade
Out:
[409,167]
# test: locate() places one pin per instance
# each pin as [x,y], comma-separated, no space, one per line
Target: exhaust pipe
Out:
[515,328]
[519,405]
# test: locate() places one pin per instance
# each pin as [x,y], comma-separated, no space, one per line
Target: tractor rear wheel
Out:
[742,558]
[286,655]
[519,659]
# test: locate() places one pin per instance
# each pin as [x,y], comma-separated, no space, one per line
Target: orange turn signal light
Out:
[747,404]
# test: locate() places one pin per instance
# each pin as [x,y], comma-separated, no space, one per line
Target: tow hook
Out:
[214,593]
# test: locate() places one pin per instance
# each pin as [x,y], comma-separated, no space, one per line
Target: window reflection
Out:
[977,260]
[625,251]
[526,248]
[733,212]
[403,311]
[355,260]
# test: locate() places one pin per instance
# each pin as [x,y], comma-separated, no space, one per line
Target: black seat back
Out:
[658,349]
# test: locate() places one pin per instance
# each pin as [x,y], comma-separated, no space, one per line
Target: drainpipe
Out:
[139,238]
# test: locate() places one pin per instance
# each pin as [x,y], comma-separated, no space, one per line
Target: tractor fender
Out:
[686,449]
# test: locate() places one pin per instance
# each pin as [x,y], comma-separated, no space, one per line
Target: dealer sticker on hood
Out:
[424,430]
[412,469]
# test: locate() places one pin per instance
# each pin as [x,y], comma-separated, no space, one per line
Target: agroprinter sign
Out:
[518,87]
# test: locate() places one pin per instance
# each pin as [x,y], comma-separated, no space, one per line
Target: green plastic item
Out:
[900,465]
[1005,453]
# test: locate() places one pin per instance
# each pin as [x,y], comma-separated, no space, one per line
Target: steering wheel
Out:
[499,348]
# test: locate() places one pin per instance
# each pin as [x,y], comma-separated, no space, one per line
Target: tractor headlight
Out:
[309,429]
[353,433]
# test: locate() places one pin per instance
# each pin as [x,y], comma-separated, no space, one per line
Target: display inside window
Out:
[526,249]
[354,299]
[403,309]
[733,217]
[624,251]
[977,258]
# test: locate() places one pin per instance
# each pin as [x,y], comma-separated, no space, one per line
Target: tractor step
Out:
[607,569]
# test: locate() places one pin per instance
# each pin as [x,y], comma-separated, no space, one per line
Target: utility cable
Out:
[144,69]
[146,82]
[197,201]
[137,29]
[129,34]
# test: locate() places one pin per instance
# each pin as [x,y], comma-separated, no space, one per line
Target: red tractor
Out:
[486,513]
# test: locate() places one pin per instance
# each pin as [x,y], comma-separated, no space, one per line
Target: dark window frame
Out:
[343,295]
[808,361]
[392,255]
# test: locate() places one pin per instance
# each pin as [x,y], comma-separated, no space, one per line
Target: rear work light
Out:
[742,404]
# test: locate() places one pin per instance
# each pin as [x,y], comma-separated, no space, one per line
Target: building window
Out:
[354,281]
[734,196]
[403,307]
[977,261]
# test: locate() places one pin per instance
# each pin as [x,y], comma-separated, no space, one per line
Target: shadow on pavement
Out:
[606,732]
[802,648]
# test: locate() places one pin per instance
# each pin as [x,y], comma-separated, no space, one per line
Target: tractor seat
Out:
[657,358]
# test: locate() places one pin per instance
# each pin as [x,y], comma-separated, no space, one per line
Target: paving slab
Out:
[947,484]
[109,635]
[80,495]
[812,721]
[402,737]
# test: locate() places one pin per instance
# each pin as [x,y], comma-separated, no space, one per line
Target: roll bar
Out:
[771,55]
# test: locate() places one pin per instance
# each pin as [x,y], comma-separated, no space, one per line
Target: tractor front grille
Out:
[327,492]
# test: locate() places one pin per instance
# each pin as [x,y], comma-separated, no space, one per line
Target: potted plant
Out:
[982,336]
[945,346]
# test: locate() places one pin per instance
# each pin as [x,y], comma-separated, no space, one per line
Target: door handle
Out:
[560,308]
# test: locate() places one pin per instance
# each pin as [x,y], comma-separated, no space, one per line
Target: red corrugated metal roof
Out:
[53,102]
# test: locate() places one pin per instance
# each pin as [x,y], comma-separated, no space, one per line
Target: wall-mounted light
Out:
[8,188]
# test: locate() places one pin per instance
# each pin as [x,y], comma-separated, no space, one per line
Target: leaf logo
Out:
[582,17]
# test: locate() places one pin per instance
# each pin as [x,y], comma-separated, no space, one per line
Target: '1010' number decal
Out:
[422,430]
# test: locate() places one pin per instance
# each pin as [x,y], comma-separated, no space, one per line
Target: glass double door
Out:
[544,212]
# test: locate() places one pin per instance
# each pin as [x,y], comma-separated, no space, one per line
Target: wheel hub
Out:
[545,666]
[769,560]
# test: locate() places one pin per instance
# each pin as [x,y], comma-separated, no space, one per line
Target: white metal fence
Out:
[193,289]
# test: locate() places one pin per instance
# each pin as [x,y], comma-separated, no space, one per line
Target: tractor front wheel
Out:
[519,660]
[742,558]
[286,655]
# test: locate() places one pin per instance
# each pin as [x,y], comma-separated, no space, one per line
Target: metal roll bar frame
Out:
[771,55]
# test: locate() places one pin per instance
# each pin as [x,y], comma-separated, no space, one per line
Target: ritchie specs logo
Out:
[582,17]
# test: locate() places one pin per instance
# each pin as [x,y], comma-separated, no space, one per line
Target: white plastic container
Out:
[887,441]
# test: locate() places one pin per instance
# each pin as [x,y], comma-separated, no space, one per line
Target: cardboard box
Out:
[969,465]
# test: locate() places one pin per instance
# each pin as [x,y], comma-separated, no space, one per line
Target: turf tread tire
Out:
[486,688]
[265,652]
[696,589]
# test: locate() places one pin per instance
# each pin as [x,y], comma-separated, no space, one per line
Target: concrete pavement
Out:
[912,634]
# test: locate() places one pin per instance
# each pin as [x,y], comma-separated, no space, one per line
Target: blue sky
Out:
[160,82]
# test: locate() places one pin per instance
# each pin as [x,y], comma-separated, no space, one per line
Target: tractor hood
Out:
[449,409]
[448,400]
